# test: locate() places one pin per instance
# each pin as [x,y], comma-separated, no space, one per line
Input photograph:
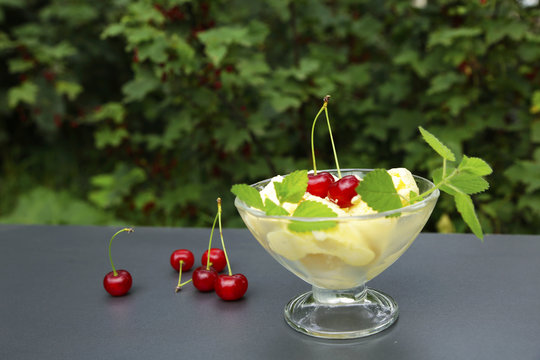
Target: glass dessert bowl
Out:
[338,262]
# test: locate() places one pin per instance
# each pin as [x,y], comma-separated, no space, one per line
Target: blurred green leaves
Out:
[23,93]
[147,111]
[111,189]
[46,206]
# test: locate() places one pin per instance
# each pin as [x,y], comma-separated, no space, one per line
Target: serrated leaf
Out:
[468,183]
[293,187]
[474,166]
[437,145]
[378,191]
[465,207]
[249,195]
[272,209]
[312,209]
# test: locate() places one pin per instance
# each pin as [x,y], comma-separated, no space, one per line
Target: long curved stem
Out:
[221,236]
[312,142]
[332,140]
[444,168]
[210,243]
[129,230]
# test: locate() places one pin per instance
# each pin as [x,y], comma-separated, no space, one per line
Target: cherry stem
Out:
[325,106]
[129,230]
[221,236]
[312,142]
[210,243]
[180,284]
[444,168]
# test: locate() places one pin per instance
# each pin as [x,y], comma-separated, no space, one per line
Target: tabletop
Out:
[459,298]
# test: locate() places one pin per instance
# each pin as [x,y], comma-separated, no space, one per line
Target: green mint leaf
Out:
[378,191]
[272,209]
[474,166]
[249,195]
[465,207]
[468,183]
[293,187]
[459,182]
[437,145]
[312,209]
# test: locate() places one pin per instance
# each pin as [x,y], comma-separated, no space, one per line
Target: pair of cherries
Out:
[206,277]
[341,191]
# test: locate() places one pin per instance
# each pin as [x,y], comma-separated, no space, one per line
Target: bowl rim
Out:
[406,209]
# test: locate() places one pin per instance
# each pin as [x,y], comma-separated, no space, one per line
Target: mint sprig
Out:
[460,182]
[313,209]
[293,187]
[249,195]
[272,209]
[377,188]
[378,191]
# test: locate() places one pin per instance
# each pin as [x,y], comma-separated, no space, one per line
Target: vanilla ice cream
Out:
[359,247]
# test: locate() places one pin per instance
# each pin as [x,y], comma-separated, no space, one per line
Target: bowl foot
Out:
[341,314]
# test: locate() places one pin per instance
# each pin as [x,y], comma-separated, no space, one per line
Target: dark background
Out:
[142,113]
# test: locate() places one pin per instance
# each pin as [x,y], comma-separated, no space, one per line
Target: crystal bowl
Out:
[339,261]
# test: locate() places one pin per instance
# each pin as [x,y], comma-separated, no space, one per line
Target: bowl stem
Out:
[341,314]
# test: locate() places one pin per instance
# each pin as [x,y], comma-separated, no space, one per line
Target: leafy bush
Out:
[147,111]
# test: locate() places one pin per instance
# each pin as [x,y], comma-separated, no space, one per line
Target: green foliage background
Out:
[143,112]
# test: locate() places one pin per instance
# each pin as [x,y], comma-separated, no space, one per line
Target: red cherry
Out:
[118,285]
[318,184]
[203,279]
[231,287]
[217,259]
[343,190]
[186,256]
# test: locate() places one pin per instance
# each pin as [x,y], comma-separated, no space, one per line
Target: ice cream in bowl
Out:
[338,254]
[338,229]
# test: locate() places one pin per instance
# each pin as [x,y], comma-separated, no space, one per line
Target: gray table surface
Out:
[459,299]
